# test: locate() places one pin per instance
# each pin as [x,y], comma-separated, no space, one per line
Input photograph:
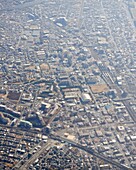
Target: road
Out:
[91,151]
[23,6]
[108,26]
[130,110]
[114,124]
[27,162]
[54,113]
[80,13]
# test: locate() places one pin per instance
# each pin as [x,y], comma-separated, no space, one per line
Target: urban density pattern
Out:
[67,84]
